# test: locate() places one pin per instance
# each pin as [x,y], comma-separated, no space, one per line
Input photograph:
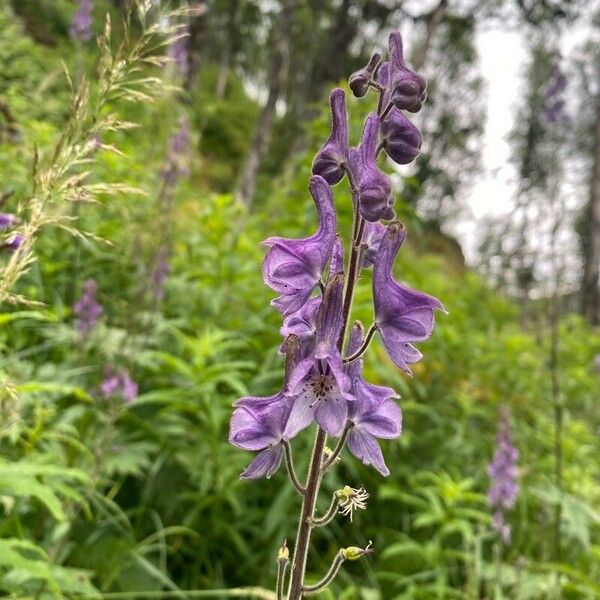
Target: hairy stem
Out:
[314,474]
[329,577]
[339,447]
[329,515]
[290,467]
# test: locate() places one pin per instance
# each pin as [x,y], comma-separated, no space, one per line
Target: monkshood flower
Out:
[374,188]
[360,81]
[554,101]
[87,308]
[160,274]
[294,267]
[402,315]
[406,87]
[179,52]
[13,243]
[503,471]
[318,382]
[373,234]
[177,163]
[400,138]
[7,221]
[331,161]
[119,383]
[374,412]
[81,24]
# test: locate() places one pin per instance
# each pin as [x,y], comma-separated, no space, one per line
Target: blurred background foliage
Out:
[100,496]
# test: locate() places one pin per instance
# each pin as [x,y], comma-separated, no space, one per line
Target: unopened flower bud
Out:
[354,552]
[283,555]
[360,80]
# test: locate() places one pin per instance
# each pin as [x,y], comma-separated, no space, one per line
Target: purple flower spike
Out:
[294,267]
[87,308]
[318,383]
[331,160]
[400,138]
[7,221]
[503,471]
[402,315]
[119,383]
[407,88]
[374,413]
[81,25]
[374,187]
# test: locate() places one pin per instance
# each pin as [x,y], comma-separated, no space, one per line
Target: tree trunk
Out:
[276,79]
[196,32]
[590,288]
[433,20]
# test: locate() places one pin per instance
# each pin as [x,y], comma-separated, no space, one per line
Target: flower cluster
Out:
[81,24]
[554,101]
[314,283]
[119,383]
[179,52]
[177,163]
[87,308]
[502,471]
[8,221]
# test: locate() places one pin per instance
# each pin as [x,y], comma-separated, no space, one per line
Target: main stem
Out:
[313,482]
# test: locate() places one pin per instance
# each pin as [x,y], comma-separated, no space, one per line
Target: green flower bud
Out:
[354,553]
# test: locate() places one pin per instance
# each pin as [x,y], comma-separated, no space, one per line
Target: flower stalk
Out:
[323,379]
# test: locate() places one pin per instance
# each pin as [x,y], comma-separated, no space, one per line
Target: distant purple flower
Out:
[597,363]
[402,315]
[179,51]
[81,24]
[13,243]
[87,308]
[160,274]
[7,220]
[503,471]
[294,267]
[119,383]
[177,162]
[374,412]
[554,101]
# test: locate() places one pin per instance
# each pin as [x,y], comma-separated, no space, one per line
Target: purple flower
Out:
[7,220]
[402,315]
[13,243]
[359,80]
[177,163]
[374,412]
[160,273]
[179,51]
[331,160]
[554,101]
[261,424]
[374,187]
[503,471]
[119,383]
[81,24]
[597,363]
[400,138]
[87,308]
[372,236]
[406,87]
[318,382]
[294,267]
